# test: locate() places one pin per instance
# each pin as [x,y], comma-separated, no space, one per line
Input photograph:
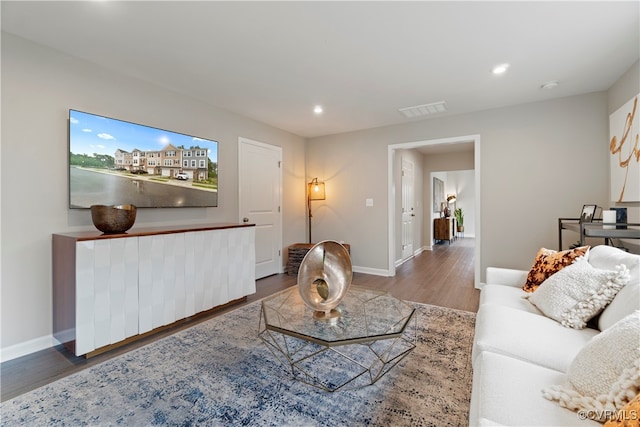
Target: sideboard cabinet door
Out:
[106,292]
[206,269]
[242,262]
[161,286]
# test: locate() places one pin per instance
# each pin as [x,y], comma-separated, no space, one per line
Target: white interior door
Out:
[408,212]
[260,183]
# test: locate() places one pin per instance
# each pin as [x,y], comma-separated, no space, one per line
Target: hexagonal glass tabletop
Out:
[365,315]
[371,336]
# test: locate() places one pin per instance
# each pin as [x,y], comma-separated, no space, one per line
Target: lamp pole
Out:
[309,207]
[315,191]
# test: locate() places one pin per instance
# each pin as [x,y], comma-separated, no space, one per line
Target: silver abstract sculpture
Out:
[324,278]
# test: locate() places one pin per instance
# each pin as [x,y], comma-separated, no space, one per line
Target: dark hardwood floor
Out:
[443,277]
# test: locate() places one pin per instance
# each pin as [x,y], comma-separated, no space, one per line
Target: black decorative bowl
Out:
[113,219]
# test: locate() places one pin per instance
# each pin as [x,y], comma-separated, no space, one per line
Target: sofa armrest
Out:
[506,276]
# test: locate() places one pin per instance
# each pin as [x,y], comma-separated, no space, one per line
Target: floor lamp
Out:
[315,191]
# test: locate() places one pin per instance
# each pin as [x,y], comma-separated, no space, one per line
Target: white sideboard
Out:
[108,289]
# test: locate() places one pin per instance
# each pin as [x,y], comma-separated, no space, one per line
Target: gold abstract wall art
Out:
[624,152]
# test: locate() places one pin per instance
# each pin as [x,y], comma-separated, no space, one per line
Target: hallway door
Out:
[260,183]
[408,212]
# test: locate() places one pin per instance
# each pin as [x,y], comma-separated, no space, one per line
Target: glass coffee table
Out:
[373,334]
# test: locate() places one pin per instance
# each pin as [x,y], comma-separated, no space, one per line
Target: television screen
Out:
[113,162]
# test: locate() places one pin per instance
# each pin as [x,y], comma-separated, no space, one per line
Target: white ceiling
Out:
[362,61]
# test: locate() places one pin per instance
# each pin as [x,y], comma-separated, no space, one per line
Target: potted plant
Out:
[459,219]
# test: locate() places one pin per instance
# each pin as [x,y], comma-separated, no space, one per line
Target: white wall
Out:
[540,161]
[39,85]
[463,185]
[627,86]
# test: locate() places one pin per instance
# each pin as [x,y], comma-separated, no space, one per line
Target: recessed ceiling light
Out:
[318,109]
[550,85]
[500,69]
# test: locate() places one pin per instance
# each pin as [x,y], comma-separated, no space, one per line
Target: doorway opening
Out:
[441,144]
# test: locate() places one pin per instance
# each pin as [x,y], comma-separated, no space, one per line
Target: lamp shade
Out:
[451,198]
[316,190]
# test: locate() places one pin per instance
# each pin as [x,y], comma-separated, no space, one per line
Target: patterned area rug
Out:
[219,373]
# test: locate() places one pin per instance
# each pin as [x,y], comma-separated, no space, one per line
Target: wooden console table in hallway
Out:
[444,229]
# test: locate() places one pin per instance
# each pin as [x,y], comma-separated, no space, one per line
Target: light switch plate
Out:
[369,203]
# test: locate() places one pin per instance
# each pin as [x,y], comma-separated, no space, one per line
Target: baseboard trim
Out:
[48,341]
[27,347]
[372,271]
[417,252]
[364,270]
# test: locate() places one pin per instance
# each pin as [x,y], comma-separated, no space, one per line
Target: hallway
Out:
[443,276]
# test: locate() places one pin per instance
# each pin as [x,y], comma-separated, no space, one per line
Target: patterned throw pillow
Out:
[548,262]
[605,375]
[578,292]
[629,416]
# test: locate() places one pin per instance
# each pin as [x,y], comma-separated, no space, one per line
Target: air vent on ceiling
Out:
[424,110]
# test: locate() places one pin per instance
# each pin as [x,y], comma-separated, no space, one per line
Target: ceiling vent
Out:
[424,110]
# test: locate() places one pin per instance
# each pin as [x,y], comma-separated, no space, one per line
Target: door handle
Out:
[245,219]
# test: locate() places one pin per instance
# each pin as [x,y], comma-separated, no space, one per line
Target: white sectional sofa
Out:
[518,351]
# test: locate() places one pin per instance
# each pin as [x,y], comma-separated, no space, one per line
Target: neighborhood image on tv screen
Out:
[114,162]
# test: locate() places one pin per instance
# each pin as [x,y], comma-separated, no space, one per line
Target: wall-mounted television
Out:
[113,162]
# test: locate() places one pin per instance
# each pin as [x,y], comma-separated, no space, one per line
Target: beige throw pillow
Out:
[605,375]
[578,292]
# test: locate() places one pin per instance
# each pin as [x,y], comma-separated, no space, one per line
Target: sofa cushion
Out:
[527,336]
[628,299]
[483,422]
[607,257]
[605,375]
[626,302]
[507,391]
[505,276]
[507,296]
[578,292]
[548,262]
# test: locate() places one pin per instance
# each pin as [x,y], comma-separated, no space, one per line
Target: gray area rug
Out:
[219,373]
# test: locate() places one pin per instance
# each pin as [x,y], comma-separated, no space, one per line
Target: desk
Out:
[596,229]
